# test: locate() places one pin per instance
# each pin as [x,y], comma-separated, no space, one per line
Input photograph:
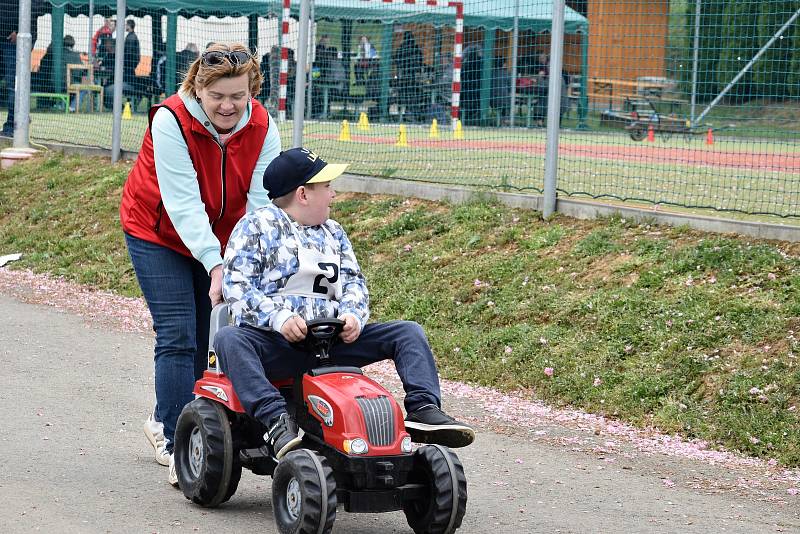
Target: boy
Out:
[287,263]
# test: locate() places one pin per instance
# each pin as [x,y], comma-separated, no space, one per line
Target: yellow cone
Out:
[434,133]
[363,122]
[126,113]
[402,137]
[458,133]
[344,134]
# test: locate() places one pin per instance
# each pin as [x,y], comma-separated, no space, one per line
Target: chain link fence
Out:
[685,104]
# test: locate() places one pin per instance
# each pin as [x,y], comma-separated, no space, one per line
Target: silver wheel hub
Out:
[293,499]
[196,452]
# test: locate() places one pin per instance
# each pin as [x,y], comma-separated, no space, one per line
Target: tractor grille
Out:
[379,416]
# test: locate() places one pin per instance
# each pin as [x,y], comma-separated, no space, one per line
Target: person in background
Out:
[9,22]
[132,54]
[198,171]
[106,30]
[407,60]
[471,84]
[266,73]
[501,88]
[185,58]
[366,61]
[104,61]
[131,85]
[541,87]
[325,58]
[42,80]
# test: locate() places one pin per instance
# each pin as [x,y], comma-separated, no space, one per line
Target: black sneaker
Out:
[430,424]
[282,436]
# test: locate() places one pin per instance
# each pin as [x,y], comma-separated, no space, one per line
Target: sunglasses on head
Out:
[235,58]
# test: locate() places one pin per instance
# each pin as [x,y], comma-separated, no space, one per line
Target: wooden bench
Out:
[62,97]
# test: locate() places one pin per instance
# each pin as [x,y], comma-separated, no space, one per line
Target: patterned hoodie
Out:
[262,255]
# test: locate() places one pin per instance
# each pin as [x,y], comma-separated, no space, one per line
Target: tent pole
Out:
[252,33]
[553,109]
[300,75]
[583,101]
[171,68]
[486,72]
[116,131]
[57,36]
[514,52]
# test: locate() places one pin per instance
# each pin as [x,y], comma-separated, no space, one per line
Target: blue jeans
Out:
[9,52]
[176,290]
[251,357]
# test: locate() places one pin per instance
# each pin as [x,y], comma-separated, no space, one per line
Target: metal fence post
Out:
[695,60]
[553,109]
[300,76]
[116,131]
[22,96]
[89,52]
[514,53]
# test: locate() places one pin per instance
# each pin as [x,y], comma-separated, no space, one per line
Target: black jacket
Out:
[9,16]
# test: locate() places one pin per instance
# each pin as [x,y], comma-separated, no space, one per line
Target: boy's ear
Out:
[300,194]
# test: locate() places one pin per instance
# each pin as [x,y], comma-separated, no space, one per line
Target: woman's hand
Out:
[215,292]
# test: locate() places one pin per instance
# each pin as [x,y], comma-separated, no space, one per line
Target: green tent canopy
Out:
[535,15]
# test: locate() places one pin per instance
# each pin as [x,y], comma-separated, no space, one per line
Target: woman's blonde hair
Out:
[201,74]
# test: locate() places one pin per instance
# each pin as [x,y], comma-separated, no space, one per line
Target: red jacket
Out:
[223,174]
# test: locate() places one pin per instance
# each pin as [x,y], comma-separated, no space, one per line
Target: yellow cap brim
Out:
[328,173]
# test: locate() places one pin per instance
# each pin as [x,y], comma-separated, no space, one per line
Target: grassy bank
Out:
[694,333]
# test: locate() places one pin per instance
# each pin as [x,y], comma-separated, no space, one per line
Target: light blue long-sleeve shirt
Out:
[177,179]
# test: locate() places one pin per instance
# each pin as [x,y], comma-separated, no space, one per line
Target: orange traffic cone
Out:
[710,137]
[651,134]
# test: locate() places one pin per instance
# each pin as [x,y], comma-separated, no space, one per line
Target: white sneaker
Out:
[173,475]
[154,431]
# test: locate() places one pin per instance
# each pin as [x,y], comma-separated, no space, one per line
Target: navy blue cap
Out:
[295,167]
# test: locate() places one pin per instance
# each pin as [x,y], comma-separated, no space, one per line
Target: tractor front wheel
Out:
[441,510]
[303,494]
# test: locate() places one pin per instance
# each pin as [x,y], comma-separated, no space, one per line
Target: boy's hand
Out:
[351,330]
[294,329]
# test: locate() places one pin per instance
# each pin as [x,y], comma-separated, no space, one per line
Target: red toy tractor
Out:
[355,451]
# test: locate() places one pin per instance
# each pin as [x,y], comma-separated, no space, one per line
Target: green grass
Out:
[513,160]
[693,333]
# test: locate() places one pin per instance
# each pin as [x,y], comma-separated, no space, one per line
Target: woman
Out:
[200,167]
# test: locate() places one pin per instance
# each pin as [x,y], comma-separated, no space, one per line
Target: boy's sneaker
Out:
[173,475]
[430,424]
[282,436]
[154,431]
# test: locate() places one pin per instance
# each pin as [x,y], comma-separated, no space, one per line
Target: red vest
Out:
[223,174]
